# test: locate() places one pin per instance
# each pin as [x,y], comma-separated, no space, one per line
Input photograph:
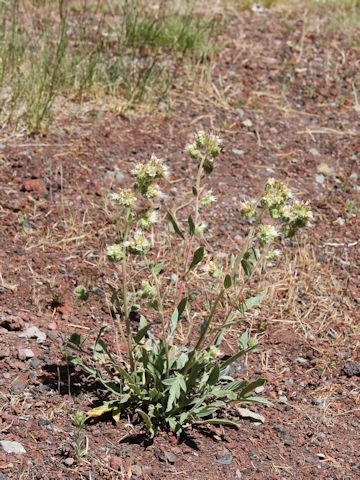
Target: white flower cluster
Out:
[145,175]
[139,244]
[205,147]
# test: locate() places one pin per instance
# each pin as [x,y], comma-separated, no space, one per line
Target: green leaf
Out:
[198,256]
[156,268]
[176,316]
[227,281]
[232,359]
[146,420]
[260,400]
[252,302]
[128,378]
[235,385]
[251,386]
[175,225]
[75,339]
[175,390]
[191,226]
[98,411]
[142,332]
[218,421]
[214,375]
[246,267]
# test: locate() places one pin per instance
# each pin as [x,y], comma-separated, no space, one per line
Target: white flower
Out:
[139,244]
[267,234]
[208,199]
[115,253]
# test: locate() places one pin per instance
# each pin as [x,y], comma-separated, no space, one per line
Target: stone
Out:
[12,447]
[25,353]
[352,369]
[224,457]
[319,178]
[12,323]
[116,462]
[34,185]
[247,123]
[238,152]
[69,462]
[33,332]
[35,362]
[248,414]
[314,152]
[4,352]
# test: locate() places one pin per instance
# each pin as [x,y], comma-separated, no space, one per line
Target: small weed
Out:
[80,442]
[162,382]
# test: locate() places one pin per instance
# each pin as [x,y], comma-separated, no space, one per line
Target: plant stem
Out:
[125,291]
[188,249]
[205,330]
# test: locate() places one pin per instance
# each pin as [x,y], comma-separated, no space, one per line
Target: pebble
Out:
[25,353]
[352,369]
[12,447]
[239,153]
[115,462]
[34,362]
[224,457]
[10,322]
[319,178]
[314,152]
[283,399]
[247,123]
[69,462]
[33,332]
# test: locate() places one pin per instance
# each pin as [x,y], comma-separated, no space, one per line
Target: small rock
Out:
[25,353]
[18,386]
[238,474]
[69,461]
[34,362]
[34,332]
[247,123]
[43,422]
[170,457]
[54,335]
[283,399]
[237,152]
[255,417]
[319,402]
[325,169]
[352,369]
[4,352]
[314,152]
[34,185]
[136,470]
[115,462]
[319,178]
[240,112]
[12,447]
[224,457]
[301,360]
[11,323]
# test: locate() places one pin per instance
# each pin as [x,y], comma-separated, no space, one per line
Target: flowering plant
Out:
[162,381]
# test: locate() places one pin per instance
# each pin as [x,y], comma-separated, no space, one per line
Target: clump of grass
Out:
[132,52]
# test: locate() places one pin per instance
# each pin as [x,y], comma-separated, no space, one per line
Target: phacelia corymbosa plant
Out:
[165,379]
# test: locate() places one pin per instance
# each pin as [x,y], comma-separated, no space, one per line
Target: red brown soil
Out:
[302,112]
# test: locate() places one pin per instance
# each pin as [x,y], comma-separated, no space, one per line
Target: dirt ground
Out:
[284,101]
